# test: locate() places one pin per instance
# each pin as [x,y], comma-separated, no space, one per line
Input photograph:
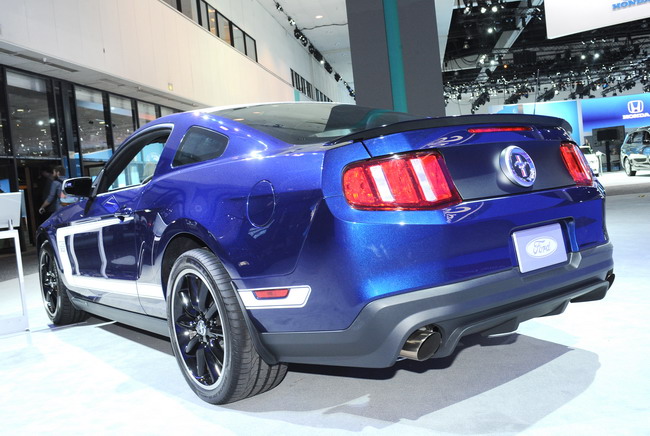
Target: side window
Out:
[199,145]
[646,137]
[636,139]
[140,167]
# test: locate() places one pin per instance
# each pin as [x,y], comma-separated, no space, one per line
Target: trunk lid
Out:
[474,159]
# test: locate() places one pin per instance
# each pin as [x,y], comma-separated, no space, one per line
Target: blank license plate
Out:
[539,247]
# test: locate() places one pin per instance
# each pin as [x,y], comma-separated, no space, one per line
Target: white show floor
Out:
[584,372]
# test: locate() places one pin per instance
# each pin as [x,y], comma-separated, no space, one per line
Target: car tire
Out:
[628,168]
[57,303]
[209,335]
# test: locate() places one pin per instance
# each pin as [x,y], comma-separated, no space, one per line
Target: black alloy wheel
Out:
[49,282]
[57,304]
[628,168]
[199,328]
[209,334]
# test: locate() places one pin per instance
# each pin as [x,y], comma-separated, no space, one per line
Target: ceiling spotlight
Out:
[468,10]
[490,30]
[278,7]
[583,57]
[483,9]
[337,76]
[495,8]
[292,22]
[596,55]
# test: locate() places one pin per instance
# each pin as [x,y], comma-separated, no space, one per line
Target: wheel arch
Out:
[184,241]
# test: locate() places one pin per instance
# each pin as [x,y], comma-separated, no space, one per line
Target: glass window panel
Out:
[251,48]
[188,8]
[4,146]
[200,145]
[212,20]
[166,111]
[146,113]
[33,127]
[92,126]
[203,13]
[172,3]
[141,168]
[238,38]
[122,121]
[224,28]
[6,175]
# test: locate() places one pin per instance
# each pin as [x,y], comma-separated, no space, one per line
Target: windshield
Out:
[307,123]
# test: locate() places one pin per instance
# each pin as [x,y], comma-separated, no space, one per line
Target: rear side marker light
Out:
[411,181]
[499,129]
[267,294]
[576,164]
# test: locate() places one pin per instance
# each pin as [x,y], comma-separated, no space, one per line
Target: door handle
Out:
[123,213]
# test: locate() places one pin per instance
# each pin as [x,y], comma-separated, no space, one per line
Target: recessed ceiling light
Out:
[318,17]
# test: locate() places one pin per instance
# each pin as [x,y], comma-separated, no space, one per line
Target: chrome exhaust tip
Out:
[422,344]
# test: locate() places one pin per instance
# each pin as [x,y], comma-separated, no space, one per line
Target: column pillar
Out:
[395,55]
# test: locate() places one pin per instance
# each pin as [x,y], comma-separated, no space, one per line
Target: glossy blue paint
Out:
[275,214]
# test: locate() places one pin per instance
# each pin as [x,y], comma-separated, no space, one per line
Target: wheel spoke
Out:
[184,323]
[212,310]
[200,362]
[215,332]
[186,303]
[215,363]
[191,344]
[193,287]
[203,296]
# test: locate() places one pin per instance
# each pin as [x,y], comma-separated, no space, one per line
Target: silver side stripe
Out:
[150,290]
[297,298]
[103,284]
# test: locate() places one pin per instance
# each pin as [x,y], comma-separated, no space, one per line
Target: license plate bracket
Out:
[539,247]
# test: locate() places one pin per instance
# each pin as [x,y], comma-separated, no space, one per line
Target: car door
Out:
[103,247]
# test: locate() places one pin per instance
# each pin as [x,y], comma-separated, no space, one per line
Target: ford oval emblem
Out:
[518,166]
[541,247]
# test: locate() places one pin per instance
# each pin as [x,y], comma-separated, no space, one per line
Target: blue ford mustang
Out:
[321,233]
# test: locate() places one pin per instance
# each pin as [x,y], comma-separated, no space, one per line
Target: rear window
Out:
[307,123]
[199,145]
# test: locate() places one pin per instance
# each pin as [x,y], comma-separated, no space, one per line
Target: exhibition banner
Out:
[631,111]
[567,110]
[569,17]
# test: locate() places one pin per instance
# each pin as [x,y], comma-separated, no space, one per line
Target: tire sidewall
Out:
[226,384]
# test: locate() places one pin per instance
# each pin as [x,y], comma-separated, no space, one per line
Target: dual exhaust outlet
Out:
[422,344]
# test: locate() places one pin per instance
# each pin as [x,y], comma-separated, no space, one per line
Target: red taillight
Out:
[499,129]
[267,294]
[576,164]
[401,182]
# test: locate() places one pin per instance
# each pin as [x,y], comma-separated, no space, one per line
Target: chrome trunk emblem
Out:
[518,166]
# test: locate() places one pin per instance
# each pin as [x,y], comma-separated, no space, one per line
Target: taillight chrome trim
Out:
[418,171]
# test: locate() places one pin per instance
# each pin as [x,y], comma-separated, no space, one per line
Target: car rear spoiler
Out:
[462,120]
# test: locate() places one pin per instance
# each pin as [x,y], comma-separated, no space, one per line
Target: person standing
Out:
[53,201]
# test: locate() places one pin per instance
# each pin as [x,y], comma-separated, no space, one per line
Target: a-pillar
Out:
[395,55]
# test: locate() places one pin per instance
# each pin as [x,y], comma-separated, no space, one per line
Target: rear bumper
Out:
[494,303]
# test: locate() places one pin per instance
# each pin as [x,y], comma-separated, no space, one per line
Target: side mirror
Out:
[78,186]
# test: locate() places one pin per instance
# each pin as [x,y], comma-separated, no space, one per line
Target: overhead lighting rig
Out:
[300,36]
